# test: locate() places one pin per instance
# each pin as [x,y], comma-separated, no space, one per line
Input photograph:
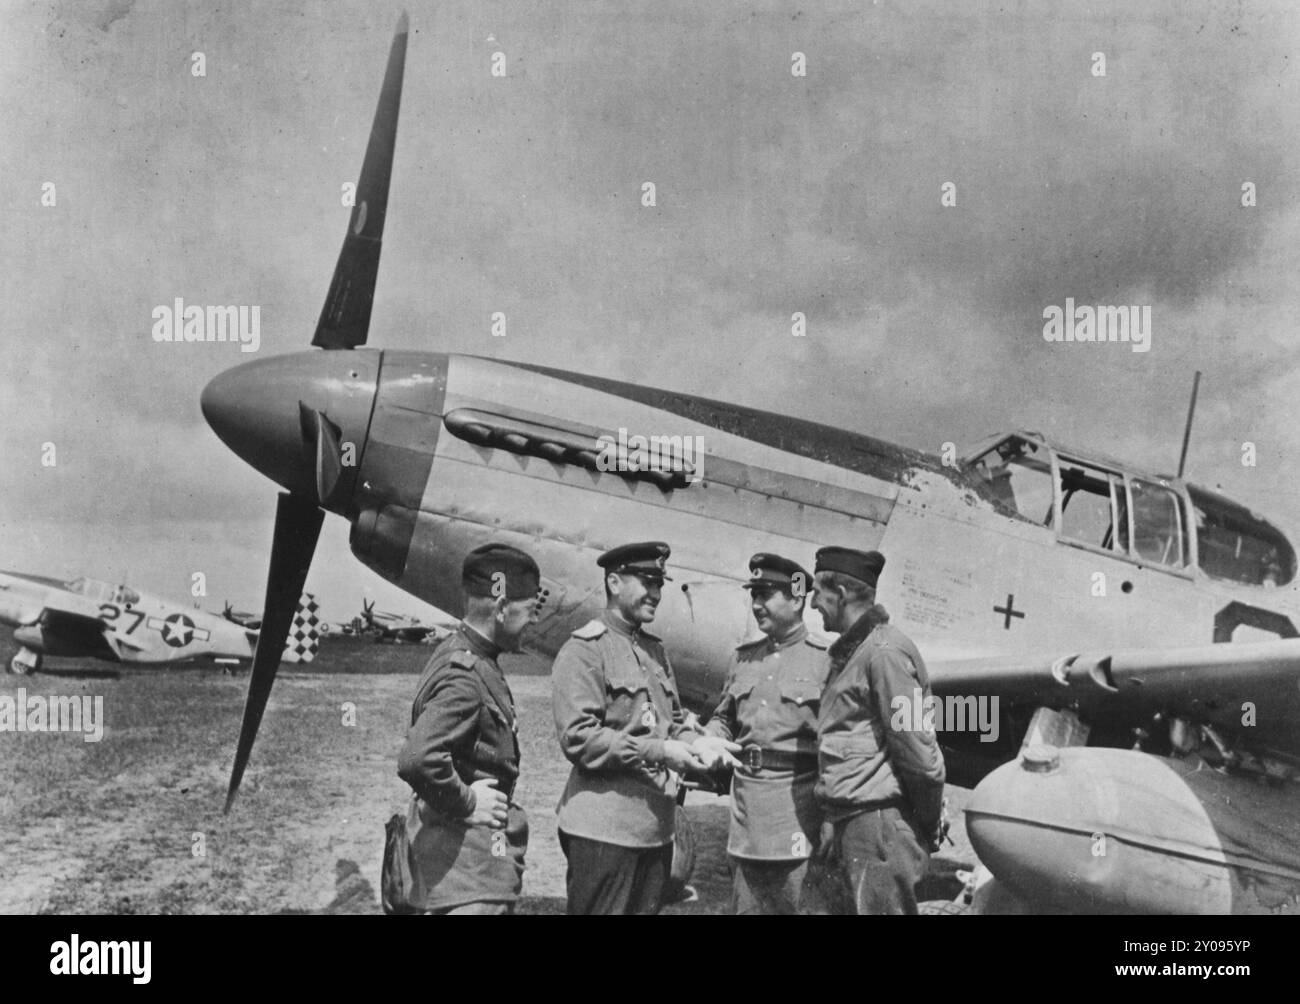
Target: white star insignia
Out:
[173,629]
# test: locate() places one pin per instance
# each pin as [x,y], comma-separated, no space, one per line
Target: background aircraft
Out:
[1092,599]
[94,619]
[241,617]
[386,626]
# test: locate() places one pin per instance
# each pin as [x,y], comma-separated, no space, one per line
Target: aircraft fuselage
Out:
[456,451]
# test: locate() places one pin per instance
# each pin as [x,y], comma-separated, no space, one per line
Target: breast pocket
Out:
[670,686]
[801,690]
[742,686]
[626,695]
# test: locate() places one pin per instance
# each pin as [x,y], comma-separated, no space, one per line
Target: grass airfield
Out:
[133,824]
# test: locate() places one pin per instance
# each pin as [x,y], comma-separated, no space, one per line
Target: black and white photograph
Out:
[743,458]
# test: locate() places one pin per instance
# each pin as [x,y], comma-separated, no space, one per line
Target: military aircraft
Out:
[1143,623]
[394,627]
[241,617]
[94,619]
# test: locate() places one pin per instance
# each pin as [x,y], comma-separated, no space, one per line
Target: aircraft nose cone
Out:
[255,409]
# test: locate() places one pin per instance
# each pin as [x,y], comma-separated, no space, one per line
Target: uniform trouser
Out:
[766,887]
[878,858]
[610,879]
[473,910]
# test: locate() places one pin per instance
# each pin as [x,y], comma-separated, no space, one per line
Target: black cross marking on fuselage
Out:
[1009,611]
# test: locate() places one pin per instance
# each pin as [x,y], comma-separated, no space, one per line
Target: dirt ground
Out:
[133,823]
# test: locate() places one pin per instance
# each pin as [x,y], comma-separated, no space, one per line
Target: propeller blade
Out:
[345,319]
[297,526]
[320,438]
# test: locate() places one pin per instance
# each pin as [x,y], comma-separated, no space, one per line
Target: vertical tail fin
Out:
[304,632]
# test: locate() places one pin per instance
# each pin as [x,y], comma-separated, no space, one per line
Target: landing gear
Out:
[24,662]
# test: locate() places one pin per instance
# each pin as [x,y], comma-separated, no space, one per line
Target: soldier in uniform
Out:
[881,787]
[621,724]
[461,756]
[769,706]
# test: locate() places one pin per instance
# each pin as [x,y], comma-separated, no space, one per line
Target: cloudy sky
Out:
[776,194]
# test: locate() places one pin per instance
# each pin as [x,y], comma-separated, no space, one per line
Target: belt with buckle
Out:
[756,758]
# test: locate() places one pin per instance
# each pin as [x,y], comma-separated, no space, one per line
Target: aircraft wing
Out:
[121,640]
[410,632]
[71,617]
[71,605]
[1247,691]
[79,624]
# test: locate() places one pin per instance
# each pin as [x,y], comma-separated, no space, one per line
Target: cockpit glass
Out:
[1158,534]
[1016,475]
[1090,509]
[1234,545]
[92,589]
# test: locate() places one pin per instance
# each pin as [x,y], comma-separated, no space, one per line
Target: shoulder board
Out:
[753,643]
[818,642]
[462,658]
[591,630]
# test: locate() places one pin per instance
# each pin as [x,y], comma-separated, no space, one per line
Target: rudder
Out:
[304,632]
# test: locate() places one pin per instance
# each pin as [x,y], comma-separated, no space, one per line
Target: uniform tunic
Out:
[615,703]
[462,730]
[769,704]
[865,763]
